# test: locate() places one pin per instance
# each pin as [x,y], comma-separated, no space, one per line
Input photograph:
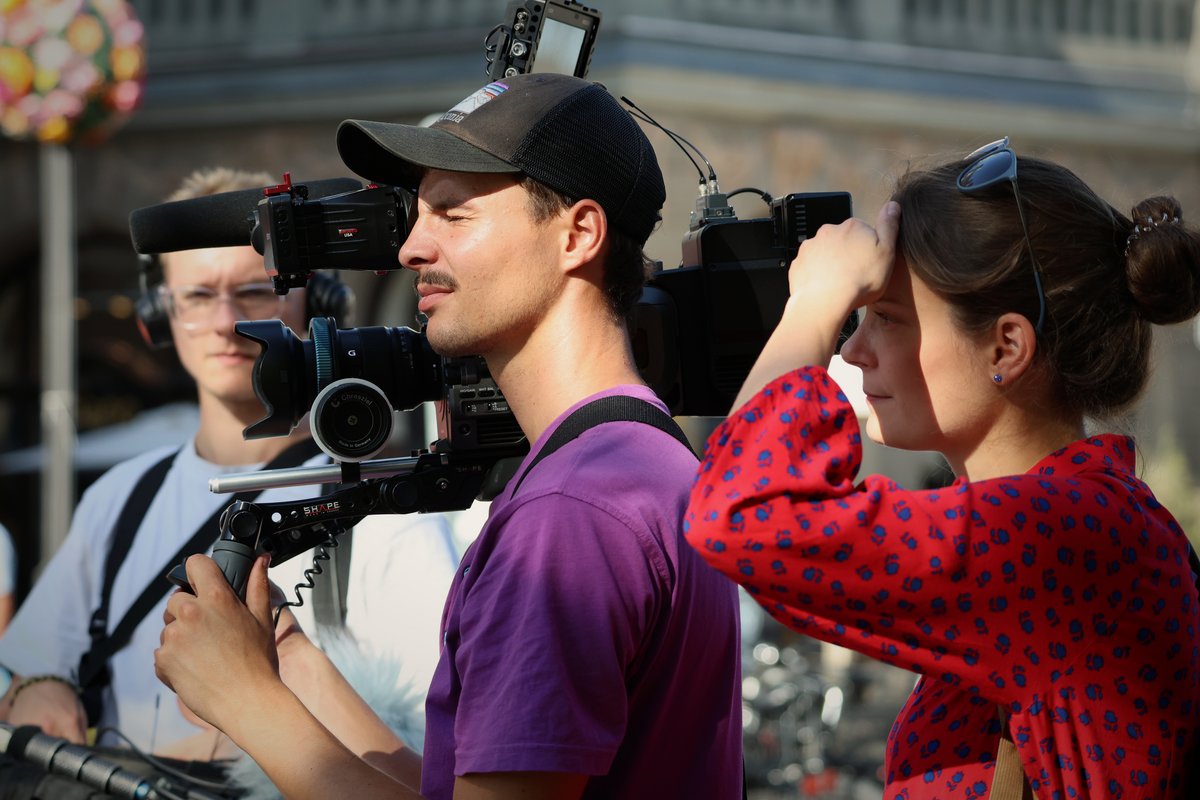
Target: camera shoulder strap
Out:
[93,666]
[617,408]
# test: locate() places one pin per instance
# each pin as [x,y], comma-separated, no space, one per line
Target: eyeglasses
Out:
[193,307]
[986,167]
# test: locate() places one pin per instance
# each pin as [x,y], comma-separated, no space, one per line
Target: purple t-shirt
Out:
[582,634]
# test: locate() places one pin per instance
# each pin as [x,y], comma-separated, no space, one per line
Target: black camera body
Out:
[699,328]
[298,234]
[543,36]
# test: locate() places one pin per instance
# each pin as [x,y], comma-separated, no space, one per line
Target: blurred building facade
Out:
[783,95]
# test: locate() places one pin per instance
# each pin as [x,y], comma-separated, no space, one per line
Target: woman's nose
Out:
[854,351]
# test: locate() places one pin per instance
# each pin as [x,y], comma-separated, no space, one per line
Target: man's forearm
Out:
[326,694]
[305,760]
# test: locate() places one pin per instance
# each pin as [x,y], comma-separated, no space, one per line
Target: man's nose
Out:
[417,250]
[226,314]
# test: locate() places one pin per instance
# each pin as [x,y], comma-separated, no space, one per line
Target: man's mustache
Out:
[440,280]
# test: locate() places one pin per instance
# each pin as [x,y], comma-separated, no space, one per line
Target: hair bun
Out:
[1162,262]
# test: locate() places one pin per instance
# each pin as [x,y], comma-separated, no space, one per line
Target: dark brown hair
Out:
[1105,281]
[626,266]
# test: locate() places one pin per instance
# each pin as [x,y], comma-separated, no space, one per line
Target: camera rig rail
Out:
[429,482]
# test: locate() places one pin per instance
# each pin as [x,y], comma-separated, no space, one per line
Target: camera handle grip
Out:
[235,560]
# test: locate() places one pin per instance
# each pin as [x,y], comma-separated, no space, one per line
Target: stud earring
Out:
[997,378]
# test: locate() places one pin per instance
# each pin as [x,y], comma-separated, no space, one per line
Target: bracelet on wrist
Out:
[42,679]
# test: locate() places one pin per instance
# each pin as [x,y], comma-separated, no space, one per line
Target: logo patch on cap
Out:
[478,98]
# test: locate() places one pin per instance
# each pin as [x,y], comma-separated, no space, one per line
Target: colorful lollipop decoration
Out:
[70,70]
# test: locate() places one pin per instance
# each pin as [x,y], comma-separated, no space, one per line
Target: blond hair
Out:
[214,180]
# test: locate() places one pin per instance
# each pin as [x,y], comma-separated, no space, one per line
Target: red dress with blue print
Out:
[1064,595]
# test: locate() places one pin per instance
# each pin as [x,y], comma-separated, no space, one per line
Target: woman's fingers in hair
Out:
[848,262]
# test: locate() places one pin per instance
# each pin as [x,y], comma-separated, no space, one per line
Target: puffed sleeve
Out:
[931,581]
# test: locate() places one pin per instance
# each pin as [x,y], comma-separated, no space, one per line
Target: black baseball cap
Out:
[562,131]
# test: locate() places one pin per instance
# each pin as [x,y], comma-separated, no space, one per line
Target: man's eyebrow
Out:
[444,201]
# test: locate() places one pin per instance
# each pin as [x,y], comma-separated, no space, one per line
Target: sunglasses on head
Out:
[992,164]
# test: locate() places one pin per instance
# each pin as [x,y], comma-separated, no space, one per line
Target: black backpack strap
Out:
[93,667]
[124,530]
[617,408]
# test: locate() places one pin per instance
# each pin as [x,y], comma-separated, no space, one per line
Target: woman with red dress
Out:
[1046,597]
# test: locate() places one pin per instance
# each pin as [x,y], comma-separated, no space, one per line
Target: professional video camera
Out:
[699,328]
[696,331]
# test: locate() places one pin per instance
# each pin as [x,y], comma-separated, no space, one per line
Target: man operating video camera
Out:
[587,651]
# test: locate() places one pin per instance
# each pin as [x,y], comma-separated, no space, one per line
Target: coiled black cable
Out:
[320,553]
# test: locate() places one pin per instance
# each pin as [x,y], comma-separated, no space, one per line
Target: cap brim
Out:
[395,154]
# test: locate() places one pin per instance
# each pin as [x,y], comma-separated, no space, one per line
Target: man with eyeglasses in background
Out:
[201,297]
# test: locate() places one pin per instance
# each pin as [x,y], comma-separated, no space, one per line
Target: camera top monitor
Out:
[543,36]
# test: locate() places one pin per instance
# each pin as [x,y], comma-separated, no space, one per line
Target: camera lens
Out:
[351,420]
[290,372]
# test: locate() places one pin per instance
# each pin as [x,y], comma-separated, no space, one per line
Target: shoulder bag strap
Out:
[1008,779]
[617,408]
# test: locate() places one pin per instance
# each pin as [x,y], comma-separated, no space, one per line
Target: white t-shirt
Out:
[401,568]
[50,630]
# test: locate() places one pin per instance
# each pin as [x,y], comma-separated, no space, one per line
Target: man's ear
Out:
[1012,348]
[585,232]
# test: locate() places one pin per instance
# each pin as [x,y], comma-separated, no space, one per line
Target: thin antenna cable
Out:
[711,205]
[675,137]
